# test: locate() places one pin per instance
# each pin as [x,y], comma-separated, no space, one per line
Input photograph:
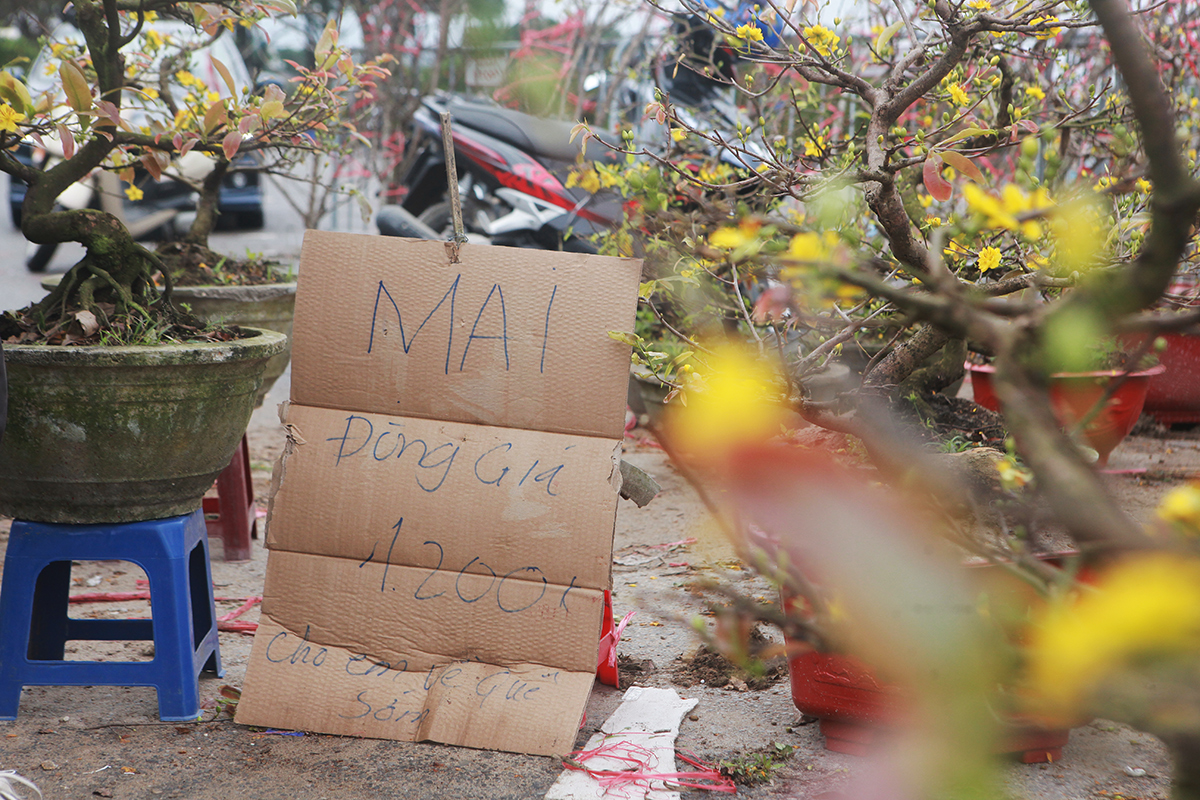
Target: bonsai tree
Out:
[932,179]
[128,103]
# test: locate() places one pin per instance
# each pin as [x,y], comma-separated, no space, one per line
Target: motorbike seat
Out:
[548,138]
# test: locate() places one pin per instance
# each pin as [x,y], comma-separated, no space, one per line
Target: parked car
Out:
[240,201]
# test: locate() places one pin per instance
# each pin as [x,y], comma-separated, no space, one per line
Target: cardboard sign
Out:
[508,337]
[442,517]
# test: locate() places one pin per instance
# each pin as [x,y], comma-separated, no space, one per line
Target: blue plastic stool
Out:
[35,625]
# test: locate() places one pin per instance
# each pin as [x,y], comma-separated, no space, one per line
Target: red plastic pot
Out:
[1073,394]
[856,710]
[1174,396]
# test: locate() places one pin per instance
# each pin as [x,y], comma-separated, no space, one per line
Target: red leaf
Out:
[68,141]
[152,166]
[936,185]
[231,143]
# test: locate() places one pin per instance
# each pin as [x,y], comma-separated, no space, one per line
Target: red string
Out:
[704,777]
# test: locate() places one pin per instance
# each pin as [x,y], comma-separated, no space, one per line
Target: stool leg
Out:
[236,496]
[178,691]
[16,605]
[204,610]
[48,617]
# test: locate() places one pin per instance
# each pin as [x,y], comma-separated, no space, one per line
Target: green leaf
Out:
[225,76]
[886,35]
[967,133]
[13,92]
[631,339]
[79,94]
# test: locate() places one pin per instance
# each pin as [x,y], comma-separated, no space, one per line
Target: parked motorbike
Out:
[513,168]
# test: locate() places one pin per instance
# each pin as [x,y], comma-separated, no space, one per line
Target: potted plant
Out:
[107,308]
[1106,402]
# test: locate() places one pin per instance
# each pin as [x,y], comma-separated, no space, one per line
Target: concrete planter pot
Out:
[122,434]
[268,307]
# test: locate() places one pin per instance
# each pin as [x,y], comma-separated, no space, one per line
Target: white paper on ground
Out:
[648,718]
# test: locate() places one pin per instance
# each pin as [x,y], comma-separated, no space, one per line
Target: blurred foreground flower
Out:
[735,400]
[1144,608]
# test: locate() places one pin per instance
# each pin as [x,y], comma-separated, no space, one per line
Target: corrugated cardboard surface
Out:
[508,337]
[447,495]
[442,517]
[340,690]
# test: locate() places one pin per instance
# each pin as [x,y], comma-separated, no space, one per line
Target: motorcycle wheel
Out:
[440,218]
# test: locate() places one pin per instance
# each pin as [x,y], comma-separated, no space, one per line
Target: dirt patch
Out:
[709,668]
[195,265]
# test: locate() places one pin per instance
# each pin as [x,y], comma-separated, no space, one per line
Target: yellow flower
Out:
[959,95]
[186,78]
[1003,211]
[823,40]
[678,134]
[9,117]
[933,222]
[1143,186]
[814,148]
[587,180]
[979,5]
[735,399]
[1045,33]
[729,238]
[989,259]
[749,32]
[1145,607]
[134,193]
[1035,92]
[1182,505]
[813,247]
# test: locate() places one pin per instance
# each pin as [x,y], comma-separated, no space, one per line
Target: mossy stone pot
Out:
[268,306]
[109,434]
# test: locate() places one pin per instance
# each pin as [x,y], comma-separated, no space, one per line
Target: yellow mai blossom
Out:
[186,78]
[959,95]
[1035,92]
[1143,185]
[730,238]
[989,259]
[823,40]
[979,5]
[1181,507]
[1004,211]
[134,193]
[813,247]
[1105,182]
[734,400]
[1145,608]
[678,134]
[1045,33]
[9,117]
[154,40]
[587,180]
[814,147]
[749,32]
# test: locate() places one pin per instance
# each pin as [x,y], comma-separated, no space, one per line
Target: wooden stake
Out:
[460,237]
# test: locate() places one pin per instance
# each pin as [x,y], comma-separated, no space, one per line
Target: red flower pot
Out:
[856,709]
[1073,394]
[1174,396]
